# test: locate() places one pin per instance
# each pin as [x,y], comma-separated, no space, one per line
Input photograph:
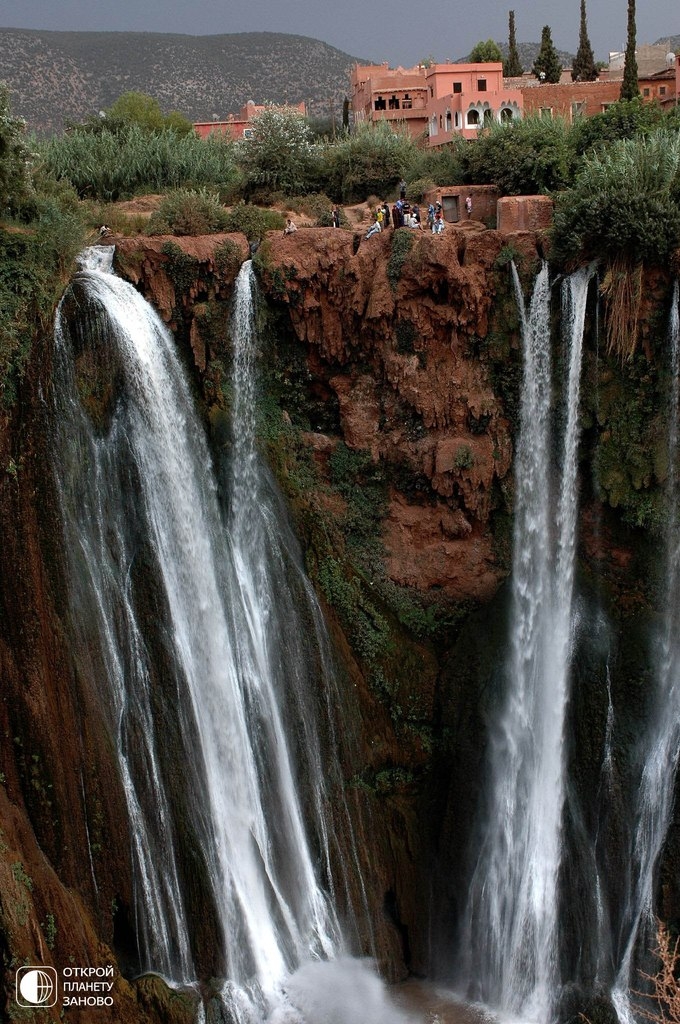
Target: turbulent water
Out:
[509,940]
[190,609]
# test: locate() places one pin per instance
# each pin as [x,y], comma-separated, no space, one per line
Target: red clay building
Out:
[240,127]
[381,93]
[462,98]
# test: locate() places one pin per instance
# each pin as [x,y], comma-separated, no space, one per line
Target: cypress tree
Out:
[512,66]
[584,69]
[629,85]
[547,66]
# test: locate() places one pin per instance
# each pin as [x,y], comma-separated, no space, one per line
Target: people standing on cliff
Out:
[430,216]
[335,216]
[402,189]
[468,206]
[386,215]
[438,225]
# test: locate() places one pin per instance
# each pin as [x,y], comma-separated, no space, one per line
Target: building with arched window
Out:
[463,98]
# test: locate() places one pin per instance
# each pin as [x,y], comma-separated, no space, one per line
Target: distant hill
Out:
[528,52]
[672,42]
[56,77]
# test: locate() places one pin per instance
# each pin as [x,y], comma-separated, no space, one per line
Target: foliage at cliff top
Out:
[625,201]
[525,157]
[279,154]
[111,165]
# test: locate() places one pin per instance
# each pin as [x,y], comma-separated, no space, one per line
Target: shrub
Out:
[111,165]
[417,190]
[188,212]
[625,203]
[253,221]
[525,157]
[372,160]
[279,153]
[228,258]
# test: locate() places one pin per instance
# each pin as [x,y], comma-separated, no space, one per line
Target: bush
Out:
[370,160]
[279,155]
[253,221]
[624,204]
[188,212]
[525,157]
[111,165]
[416,190]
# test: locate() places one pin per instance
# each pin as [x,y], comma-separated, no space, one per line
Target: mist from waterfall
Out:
[209,650]
[509,939]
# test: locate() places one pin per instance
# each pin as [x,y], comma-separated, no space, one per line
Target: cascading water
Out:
[509,939]
[661,747]
[210,650]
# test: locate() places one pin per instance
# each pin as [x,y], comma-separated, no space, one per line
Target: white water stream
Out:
[243,679]
[509,941]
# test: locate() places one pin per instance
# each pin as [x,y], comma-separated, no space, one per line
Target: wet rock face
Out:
[397,341]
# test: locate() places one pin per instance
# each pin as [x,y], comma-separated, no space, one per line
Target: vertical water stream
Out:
[660,747]
[510,931]
[207,645]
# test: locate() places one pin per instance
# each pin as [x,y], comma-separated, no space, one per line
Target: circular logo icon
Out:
[36,986]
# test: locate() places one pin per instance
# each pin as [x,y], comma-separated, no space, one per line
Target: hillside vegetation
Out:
[56,77]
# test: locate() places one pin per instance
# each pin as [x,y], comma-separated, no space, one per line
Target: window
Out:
[473,119]
[457,86]
[645,92]
[393,103]
[456,117]
[578,109]
[431,92]
[406,103]
[546,113]
[247,133]
[662,90]
[380,104]
[481,85]
[506,115]
[448,120]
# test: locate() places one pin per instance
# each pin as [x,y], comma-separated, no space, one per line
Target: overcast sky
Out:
[397,31]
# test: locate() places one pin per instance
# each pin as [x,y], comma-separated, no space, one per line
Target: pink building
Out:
[462,98]
[381,93]
[240,127]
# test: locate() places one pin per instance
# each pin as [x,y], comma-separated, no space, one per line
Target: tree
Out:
[486,53]
[15,181]
[280,150]
[584,69]
[512,66]
[138,108]
[629,85]
[525,157]
[547,66]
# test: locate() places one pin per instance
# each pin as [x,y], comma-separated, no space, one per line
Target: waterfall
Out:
[509,938]
[661,745]
[208,646]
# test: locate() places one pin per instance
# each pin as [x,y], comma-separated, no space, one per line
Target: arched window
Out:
[473,118]
[506,115]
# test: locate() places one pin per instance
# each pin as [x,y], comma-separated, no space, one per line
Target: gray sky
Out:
[397,31]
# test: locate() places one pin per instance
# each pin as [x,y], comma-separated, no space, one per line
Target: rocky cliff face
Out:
[390,374]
